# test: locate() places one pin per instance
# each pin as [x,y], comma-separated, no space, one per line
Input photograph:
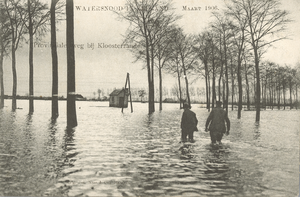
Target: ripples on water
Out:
[134,154]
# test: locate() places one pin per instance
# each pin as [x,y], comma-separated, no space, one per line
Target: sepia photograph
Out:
[149,98]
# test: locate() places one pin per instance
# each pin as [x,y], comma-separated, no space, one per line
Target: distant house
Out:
[79,97]
[119,98]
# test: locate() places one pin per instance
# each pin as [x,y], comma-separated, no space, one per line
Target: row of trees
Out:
[227,53]
[24,20]
[279,85]
[21,20]
[279,88]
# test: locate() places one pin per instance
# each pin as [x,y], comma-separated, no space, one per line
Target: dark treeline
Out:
[227,55]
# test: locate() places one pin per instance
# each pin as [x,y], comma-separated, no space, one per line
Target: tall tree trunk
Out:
[1,64]
[54,114]
[206,91]
[278,97]
[272,99]
[150,71]
[13,59]
[232,83]
[180,93]
[152,80]
[226,72]
[213,82]
[274,94]
[187,89]
[262,90]
[179,85]
[160,86]
[221,72]
[283,92]
[30,28]
[1,76]
[149,76]
[254,89]
[232,94]
[239,75]
[71,95]
[291,101]
[296,96]
[240,87]
[224,93]
[209,93]
[270,92]
[207,86]
[213,75]
[257,101]
[266,95]
[186,84]
[247,88]
[219,84]
[227,87]
[14,71]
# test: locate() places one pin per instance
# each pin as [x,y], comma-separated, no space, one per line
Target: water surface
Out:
[111,153]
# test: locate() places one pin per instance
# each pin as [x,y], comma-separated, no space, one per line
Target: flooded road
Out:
[111,153]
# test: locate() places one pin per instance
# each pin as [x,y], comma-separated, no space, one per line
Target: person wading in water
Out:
[216,122]
[188,124]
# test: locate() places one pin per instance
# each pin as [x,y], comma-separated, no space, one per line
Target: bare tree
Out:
[55,9]
[271,76]
[163,52]
[5,40]
[36,21]
[17,29]
[99,94]
[160,39]
[239,38]
[297,81]
[203,51]
[144,15]
[213,49]
[291,79]
[223,26]
[173,67]
[141,94]
[265,21]
[186,56]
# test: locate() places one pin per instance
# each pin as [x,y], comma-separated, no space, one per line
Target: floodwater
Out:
[125,154]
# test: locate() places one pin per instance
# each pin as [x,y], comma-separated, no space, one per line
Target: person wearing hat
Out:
[216,122]
[188,124]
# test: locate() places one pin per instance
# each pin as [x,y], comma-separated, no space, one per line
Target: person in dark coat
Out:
[188,124]
[216,122]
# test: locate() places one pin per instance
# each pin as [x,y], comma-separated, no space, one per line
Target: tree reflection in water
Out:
[69,147]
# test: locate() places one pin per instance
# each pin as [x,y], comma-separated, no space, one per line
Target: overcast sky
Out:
[107,67]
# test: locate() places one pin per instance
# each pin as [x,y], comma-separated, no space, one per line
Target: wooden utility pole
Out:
[128,81]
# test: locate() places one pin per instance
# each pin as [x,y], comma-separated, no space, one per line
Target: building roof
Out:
[116,92]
